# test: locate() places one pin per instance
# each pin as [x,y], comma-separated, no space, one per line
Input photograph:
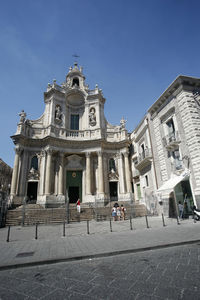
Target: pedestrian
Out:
[78,206]
[185,210]
[123,209]
[118,213]
[114,213]
[180,208]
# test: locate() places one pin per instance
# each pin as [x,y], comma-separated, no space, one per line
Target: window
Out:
[143,151]
[147,180]
[177,160]
[132,185]
[171,128]
[74,122]
[138,191]
[75,81]
[34,163]
[112,164]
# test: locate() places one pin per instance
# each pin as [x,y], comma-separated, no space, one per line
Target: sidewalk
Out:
[23,249]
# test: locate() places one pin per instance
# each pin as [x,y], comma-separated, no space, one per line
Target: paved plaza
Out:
[171,273]
[52,246]
[144,263]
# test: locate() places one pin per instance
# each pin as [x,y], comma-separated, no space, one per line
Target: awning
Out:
[173,181]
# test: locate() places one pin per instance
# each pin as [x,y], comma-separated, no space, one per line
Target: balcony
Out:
[144,158]
[135,173]
[171,140]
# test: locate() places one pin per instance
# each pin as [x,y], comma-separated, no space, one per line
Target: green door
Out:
[74,185]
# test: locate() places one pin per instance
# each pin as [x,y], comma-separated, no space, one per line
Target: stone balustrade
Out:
[63,133]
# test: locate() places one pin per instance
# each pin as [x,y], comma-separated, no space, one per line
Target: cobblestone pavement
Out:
[171,273]
[51,246]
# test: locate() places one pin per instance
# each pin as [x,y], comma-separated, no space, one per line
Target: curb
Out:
[93,256]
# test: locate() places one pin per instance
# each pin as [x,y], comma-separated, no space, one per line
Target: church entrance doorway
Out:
[73,194]
[74,185]
[113,191]
[32,192]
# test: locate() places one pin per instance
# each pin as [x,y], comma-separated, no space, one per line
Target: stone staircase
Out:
[34,213]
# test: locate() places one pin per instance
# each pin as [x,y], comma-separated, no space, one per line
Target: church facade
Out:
[72,149]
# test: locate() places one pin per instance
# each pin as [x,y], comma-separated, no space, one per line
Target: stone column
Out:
[13,190]
[42,171]
[60,175]
[100,173]
[48,172]
[121,173]
[23,174]
[127,172]
[88,173]
[106,171]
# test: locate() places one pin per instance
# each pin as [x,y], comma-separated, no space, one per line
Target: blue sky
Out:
[132,49]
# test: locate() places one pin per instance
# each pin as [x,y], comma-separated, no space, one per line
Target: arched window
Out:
[75,81]
[112,164]
[34,163]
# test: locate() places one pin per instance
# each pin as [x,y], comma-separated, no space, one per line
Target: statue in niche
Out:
[92,117]
[58,113]
[22,115]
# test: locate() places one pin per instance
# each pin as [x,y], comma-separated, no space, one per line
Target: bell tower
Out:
[75,77]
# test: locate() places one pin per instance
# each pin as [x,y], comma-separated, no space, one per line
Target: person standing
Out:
[114,213]
[123,212]
[180,208]
[78,206]
[118,213]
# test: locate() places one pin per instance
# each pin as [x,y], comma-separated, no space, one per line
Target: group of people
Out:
[118,212]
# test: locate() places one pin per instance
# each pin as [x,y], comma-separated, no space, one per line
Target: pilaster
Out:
[14,182]
[121,173]
[127,172]
[60,175]
[42,171]
[48,172]
[100,173]
[88,173]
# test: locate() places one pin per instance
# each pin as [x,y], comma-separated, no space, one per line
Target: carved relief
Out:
[113,175]
[19,150]
[74,162]
[33,174]
[92,116]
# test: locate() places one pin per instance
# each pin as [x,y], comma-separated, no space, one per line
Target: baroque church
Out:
[73,151]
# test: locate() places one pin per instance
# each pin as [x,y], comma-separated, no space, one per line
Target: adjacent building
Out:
[5,177]
[174,121]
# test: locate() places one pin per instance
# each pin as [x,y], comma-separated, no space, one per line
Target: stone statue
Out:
[92,117]
[122,123]
[58,112]
[22,115]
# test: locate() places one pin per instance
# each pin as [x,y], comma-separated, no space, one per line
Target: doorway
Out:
[73,193]
[74,185]
[32,192]
[113,191]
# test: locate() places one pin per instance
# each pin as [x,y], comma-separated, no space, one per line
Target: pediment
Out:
[74,162]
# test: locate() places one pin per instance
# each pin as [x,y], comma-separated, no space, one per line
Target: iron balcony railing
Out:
[143,159]
[171,139]
[147,153]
